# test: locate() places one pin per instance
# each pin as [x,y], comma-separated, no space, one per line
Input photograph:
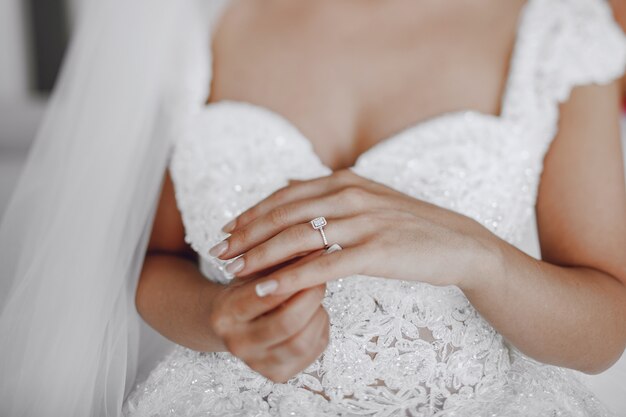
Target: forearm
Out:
[175,299]
[567,316]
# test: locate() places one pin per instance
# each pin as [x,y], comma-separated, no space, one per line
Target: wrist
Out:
[207,294]
[484,262]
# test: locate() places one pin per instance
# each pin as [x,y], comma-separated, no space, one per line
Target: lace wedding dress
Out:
[396,348]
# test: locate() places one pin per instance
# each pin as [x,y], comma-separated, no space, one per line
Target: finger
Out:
[246,305]
[291,262]
[288,319]
[302,239]
[298,191]
[295,354]
[346,202]
[320,270]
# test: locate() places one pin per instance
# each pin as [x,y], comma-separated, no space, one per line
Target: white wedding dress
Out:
[396,348]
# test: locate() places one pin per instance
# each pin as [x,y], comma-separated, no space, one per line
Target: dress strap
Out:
[563,44]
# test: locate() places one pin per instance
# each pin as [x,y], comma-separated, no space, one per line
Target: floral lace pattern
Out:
[396,348]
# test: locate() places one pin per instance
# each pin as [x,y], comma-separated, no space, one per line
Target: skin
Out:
[567,309]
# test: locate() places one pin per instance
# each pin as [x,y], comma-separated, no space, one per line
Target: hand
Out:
[277,336]
[383,232]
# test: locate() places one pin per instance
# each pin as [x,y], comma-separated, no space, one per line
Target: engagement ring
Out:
[318,223]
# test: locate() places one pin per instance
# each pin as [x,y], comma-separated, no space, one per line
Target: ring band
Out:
[333,248]
[318,223]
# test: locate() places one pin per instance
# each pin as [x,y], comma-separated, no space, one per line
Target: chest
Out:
[350,74]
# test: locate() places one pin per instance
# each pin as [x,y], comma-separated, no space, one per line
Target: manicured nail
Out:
[230,226]
[219,249]
[235,266]
[266,288]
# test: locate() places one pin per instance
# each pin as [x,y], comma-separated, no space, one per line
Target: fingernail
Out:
[235,266]
[266,288]
[219,249]
[230,226]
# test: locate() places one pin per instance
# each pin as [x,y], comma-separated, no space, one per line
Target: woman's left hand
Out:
[383,232]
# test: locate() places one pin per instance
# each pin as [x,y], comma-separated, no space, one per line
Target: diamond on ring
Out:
[318,223]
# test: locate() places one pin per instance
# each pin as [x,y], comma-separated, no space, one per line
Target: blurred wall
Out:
[13,49]
[18,117]
[33,34]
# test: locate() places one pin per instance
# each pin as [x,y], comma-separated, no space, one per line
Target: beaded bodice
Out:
[396,348]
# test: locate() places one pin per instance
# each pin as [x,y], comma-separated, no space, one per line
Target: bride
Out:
[337,227]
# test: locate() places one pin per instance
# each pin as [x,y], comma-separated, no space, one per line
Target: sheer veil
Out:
[74,234]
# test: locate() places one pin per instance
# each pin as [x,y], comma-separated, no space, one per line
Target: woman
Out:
[417,196]
[392,347]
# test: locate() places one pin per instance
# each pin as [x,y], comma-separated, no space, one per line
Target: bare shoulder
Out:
[581,206]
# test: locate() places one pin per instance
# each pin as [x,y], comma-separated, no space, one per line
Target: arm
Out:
[569,309]
[179,307]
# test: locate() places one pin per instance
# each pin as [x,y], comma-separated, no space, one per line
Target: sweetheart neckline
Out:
[501,117]
[389,141]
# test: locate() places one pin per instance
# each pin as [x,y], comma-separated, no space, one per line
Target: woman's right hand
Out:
[277,336]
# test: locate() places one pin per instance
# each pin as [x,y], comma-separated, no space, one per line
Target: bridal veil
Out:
[74,234]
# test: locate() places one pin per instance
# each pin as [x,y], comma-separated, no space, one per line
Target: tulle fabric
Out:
[74,234]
